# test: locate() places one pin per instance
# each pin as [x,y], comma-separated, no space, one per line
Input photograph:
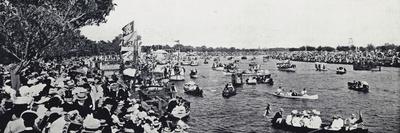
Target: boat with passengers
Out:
[296,122]
[229,90]
[192,88]
[358,86]
[341,70]
[177,73]
[286,66]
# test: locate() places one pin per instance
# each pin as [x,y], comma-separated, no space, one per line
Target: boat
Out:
[312,97]
[265,79]
[251,80]
[229,90]
[341,70]
[254,58]
[194,63]
[218,66]
[286,127]
[244,58]
[286,66]
[366,65]
[185,63]
[193,74]
[236,61]
[230,58]
[237,79]
[319,66]
[358,86]
[177,73]
[179,111]
[192,88]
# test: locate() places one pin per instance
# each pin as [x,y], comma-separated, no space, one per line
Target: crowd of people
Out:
[75,96]
[389,58]
[311,119]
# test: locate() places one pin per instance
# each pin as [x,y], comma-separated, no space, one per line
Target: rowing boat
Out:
[298,97]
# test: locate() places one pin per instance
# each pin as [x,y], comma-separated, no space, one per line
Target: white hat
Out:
[294,111]
[22,100]
[91,124]
[53,91]
[32,81]
[316,112]
[43,100]
[80,93]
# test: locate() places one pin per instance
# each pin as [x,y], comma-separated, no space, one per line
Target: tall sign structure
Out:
[130,44]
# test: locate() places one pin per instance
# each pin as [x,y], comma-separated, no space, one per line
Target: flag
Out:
[129,28]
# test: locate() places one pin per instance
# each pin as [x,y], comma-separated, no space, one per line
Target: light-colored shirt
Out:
[315,122]
[15,126]
[296,121]
[337,124]
[289,119]
[305,122]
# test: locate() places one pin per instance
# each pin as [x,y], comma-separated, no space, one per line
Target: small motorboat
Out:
[194,63]
[177,73]
[341,70]
[230,58]
[286,66]
[192,88]
[185,63]
[244,58]
[218,66]
[193,74]
[358,86]
[251,80]
[265,79]
[229,90]
[312,97]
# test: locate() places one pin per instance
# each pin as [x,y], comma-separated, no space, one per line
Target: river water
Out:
[244,111]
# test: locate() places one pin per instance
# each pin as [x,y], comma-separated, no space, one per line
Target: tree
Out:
[29,27]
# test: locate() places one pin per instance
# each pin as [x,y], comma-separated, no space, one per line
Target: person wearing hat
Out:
[336,124]
[68,104]
[352,122]
[104,113]
[278,116]
[296,120]
[91,125]
[315,120]
[289,117]
[29,118]
[16,124]
[7,89]
[82,105]
[305,120]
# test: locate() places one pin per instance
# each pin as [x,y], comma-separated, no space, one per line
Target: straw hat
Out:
[80,93]
[91,125]
[29,115]
[22,100]
[294,112]
[53,91]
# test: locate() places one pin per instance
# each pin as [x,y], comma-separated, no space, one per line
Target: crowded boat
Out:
[358,86]
[310,121]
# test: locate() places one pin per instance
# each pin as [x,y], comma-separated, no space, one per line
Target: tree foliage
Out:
[29,27]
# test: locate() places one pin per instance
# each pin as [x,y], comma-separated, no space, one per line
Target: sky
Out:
[255,23]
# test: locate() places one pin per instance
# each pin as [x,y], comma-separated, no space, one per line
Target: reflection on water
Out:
[243,112]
